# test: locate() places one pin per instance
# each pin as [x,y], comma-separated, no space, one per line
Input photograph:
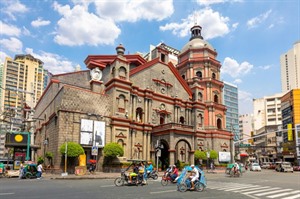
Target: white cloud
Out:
[132,10]
[25,31]
[3,55]
[234,69]
[266,67]
[237,81]
[245,102]
[12,44]
[254,22]
[79,27]
[214,25]
[13,8]
[9,30]
[40,22]
[211,2]
[54,63]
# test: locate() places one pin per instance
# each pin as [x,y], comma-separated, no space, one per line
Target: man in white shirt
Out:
[39,170]
[194,176]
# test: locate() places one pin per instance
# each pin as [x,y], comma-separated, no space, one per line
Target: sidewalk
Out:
[104,175]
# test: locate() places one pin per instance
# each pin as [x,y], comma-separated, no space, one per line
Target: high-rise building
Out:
[1,77]
[230,93]
[23,82]
[246,127]
[267,111]
[290,69]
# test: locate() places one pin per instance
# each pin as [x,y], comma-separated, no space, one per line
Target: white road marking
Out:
[270,192]
[293,197]
[166,191]
[4,194]
[283,194]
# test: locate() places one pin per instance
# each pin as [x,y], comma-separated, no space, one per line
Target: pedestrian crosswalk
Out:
[256,191]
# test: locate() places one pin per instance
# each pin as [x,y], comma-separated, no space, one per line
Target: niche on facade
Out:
[181,120]
[137,151]
[139,114]
[200,120]
[121,103]
[199,74]
[200,97]
[122,72]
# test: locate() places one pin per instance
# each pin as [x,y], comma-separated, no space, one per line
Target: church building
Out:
[138,104]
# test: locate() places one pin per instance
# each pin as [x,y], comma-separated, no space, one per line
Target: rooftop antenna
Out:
[195,17]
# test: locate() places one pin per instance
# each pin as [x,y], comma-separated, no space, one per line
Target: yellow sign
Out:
[19,138]
[290,132]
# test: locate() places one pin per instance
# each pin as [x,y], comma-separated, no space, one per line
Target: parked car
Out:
[296,168]
[284,167]
[265,165]
[255,167]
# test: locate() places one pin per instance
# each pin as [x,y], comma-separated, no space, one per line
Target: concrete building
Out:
[290,103]
[138,103]
[231,102]
[290,68]
[267,111]
[23,83]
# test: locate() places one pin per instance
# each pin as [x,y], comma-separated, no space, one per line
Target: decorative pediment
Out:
[200,144]
[224,145]
[121,135]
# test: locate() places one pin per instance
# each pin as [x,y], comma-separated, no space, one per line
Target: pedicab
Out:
[30,170]
[184,182]
[230,170]
[140,179]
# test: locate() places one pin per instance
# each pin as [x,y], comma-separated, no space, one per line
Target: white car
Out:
[255,167]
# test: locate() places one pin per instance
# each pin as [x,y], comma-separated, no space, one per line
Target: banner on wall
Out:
[224,156]
[92,133]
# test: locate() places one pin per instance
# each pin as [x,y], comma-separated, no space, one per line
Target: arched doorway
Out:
[164,158]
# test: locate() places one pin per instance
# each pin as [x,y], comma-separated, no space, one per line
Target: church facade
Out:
[138,104]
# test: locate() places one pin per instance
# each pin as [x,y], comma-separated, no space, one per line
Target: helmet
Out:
[192,165]
[149,162]
[174,165]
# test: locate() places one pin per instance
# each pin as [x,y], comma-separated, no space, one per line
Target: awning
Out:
[244,155]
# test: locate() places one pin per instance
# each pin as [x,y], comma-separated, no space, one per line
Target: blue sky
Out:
[249,36]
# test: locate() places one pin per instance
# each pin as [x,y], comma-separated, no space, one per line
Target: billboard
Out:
[224,156]
[92,133]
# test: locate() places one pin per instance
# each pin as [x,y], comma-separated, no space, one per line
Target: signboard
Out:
[290,132]
[95,150]
[245,145]
[224,156]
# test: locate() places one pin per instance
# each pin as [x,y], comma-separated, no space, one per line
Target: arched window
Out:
[219,123]
[200,97]
[181,120]
[122,72]
[199,74]
[121,143]
[121,104]
[214,76]
[162,118]
[216,99]
[139,114]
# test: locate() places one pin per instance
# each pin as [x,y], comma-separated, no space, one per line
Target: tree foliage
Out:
[113,150]
[73,149]
[213,154]
[200,155]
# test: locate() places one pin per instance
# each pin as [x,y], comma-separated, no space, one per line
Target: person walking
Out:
[39,171]
[21,170]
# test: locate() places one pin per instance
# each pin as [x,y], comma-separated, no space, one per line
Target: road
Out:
[255,185]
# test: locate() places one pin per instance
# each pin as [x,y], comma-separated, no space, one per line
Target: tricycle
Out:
[231,170]
[184,182]
[138,179]
[30,171]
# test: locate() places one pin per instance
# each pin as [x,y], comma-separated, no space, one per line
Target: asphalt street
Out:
[255,185]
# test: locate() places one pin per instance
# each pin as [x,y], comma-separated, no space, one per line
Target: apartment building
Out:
[290,68]
[23,81]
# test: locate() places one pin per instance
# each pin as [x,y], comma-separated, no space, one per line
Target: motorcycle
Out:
[153,174]
[124,180]
[166,179]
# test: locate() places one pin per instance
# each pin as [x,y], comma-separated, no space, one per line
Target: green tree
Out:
[200,155]
[213,154]
[112,150]
[73,149]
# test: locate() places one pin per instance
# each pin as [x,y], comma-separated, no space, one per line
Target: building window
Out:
[219,123]
[199,74]
[139,114]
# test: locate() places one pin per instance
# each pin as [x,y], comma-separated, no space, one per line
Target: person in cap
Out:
[194,176]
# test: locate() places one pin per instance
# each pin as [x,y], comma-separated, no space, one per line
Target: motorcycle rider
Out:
[174,173]
[236,168]
[149,168]
[134,172]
